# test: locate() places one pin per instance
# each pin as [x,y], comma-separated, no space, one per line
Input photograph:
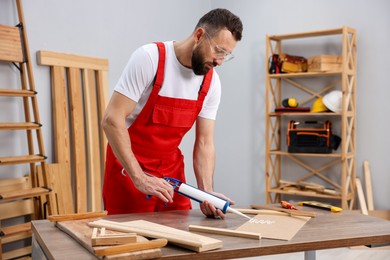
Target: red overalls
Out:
[155,137]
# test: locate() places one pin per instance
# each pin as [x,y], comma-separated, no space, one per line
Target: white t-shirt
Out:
[179,82]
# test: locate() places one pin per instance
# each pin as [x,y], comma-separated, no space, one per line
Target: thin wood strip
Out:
[102,97]
[225,232]
[131,247]
[362,200]
[367,179]
[76,216]
[71,60]
[289,211]
[92,140]
[78,139]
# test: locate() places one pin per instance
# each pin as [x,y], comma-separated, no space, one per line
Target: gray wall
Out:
[113,29]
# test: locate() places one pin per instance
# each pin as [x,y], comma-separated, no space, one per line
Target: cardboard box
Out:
[324,63]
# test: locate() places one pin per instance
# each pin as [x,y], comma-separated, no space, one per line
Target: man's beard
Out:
[199,66]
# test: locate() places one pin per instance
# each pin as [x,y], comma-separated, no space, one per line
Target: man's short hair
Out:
[218,19]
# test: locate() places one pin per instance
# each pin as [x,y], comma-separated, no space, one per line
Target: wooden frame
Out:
[79,94]
[274,95]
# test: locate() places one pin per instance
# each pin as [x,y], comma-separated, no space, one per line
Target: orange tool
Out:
[287,205]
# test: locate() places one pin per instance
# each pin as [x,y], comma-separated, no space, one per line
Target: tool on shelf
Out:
[201,196]
[319,205]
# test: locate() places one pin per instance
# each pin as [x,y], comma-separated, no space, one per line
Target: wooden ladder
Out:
[20,197]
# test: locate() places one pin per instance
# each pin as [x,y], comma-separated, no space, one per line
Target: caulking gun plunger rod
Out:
[201,196]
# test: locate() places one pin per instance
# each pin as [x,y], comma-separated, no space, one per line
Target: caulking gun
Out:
[201,196]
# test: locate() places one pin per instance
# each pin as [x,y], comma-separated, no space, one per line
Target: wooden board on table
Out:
[82,233]
[275,226]
[175,236]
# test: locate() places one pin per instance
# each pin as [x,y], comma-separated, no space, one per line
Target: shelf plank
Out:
[309,194]
[304,74]
[310,34]
[277,152]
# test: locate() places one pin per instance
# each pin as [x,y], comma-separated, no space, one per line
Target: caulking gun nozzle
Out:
[229,209]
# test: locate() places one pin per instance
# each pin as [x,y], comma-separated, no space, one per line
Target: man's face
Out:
[212,51]
[200,64]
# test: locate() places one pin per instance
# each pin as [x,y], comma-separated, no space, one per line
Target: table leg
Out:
[37,252]
[310,255]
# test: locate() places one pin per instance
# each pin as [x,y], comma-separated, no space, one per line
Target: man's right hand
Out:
[153,186]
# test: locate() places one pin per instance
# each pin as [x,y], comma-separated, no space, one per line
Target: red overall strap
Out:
[204,88]
[160,69]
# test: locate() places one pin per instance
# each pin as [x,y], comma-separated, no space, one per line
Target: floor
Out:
[361,253]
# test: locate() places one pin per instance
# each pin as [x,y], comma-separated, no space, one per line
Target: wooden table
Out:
[326,231]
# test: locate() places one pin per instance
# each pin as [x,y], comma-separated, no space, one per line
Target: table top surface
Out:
[327,230]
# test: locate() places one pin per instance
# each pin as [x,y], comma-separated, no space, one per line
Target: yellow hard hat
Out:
[318,106]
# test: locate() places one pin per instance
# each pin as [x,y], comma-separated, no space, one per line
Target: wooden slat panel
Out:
[92,135]
[10,45]
[71,60]
[76,136]
[78,139]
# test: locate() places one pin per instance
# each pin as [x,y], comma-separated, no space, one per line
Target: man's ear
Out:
[198,33]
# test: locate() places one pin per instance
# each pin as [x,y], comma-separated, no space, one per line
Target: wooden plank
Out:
[14,184]
[71,60]
[362,200]
[92,126]
[10,44]
[131,247]
[11,230]
[62,186]
[102,97]
[78,139]
[16,209]
[288,211]
[100,238]
[23,193]
[13,254]
[76,216]
[224,231]
[367,179]
[175,236]
[60,115]
[82,233]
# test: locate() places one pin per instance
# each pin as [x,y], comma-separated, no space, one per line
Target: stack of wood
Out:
[307,187]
